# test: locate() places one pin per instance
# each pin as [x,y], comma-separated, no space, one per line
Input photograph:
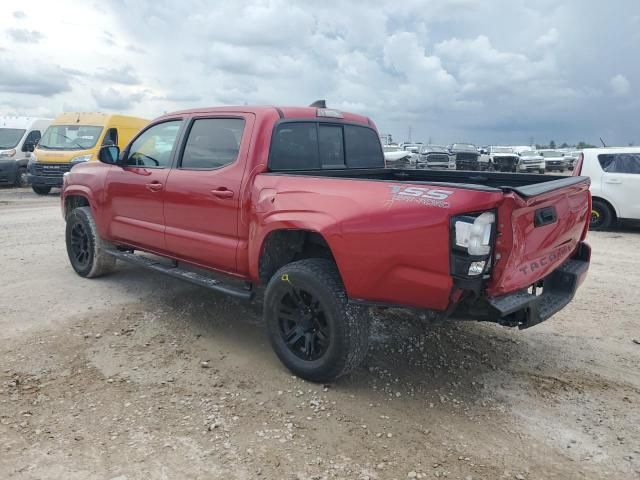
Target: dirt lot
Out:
[105,379]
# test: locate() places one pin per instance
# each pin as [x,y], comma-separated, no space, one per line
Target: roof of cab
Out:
[283,112]
[96,118]
[23,123]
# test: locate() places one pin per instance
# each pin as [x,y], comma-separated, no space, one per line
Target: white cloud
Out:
[620,86]
[549,39]
[454,70]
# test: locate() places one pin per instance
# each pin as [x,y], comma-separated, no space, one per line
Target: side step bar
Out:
[182,274]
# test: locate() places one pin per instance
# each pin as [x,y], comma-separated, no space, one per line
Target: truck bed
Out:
[525,185]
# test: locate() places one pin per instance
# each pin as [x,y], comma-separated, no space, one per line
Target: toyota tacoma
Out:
[298,200]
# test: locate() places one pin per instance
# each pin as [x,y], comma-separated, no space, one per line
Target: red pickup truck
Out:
[299,200]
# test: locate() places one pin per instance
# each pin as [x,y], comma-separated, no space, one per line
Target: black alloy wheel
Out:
[80,245]
[313,328]
[302,324]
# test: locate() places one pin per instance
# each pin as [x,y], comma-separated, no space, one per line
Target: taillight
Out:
[578,168]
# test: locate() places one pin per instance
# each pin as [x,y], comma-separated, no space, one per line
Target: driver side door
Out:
[135,190]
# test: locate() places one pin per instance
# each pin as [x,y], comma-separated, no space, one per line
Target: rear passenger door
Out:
[203,195]
[621,182]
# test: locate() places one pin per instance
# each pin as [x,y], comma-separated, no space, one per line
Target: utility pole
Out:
[410,131]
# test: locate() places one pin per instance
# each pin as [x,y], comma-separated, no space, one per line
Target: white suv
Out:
[615,184]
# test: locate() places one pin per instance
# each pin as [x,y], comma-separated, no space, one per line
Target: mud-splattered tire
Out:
[85,248]
[314,330]
[601,216]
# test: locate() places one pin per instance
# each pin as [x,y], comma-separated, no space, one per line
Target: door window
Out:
[32,139]
[212,143]
[111,137]
[154,146]
[620,162]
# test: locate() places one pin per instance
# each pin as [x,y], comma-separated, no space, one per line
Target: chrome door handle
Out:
[615,181]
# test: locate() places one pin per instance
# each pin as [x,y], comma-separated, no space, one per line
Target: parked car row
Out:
[39,151]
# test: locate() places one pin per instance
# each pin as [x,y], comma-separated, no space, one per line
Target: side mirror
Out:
[109,154]
[28,146]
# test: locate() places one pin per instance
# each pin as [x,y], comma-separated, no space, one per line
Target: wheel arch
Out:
[614,210]
[75,199]
[281,246]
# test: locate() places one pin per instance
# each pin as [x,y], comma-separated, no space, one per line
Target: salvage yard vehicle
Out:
[615,184]
[298,200]
[435,156]
[18,138]
[554,160]
[397,157]
[503,159]
[466,155]
[571,157]
[531,161]
[74,138]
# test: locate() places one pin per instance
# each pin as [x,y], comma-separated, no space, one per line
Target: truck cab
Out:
[18,138]
[74,138]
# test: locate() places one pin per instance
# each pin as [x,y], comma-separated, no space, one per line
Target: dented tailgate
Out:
[538,229]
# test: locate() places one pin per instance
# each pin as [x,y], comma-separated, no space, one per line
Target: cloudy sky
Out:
[503,71]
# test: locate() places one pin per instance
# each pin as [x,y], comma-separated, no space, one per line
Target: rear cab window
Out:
[313,145]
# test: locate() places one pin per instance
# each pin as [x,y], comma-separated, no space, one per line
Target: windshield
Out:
[501,150]
[9,137]
[529,153]
[391,148]
[551,153]
[70,137]
[463,146]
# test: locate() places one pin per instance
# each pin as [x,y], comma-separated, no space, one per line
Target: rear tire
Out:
[40,190]
[85,248]
[601,216]
[314,330]
[21,178]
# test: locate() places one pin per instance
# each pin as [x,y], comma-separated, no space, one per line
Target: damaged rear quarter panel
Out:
[390,239]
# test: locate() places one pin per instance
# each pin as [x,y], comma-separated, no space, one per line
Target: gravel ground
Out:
[139,376]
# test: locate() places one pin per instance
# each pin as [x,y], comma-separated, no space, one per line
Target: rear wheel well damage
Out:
[285,246]
[72,202]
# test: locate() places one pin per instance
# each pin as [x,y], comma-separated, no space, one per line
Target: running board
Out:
[182,274]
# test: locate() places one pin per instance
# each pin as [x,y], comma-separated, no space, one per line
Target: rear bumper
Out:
[524,309]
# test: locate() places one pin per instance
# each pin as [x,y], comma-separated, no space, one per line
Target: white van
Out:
[18,138]
[615,184]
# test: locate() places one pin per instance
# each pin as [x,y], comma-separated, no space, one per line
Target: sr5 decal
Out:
[427,196]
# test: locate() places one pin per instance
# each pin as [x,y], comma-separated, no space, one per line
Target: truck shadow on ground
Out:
[406,353]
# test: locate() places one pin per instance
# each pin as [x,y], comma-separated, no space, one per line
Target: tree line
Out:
[552,145]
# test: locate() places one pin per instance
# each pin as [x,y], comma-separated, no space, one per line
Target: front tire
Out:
[314,330]
[85,248]
[21,178]
[40,190]
[601,216]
